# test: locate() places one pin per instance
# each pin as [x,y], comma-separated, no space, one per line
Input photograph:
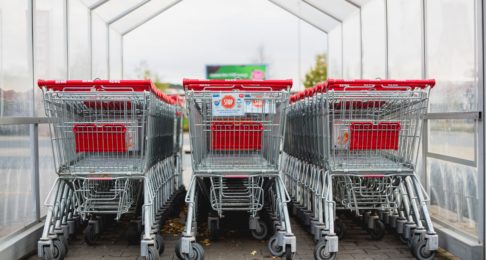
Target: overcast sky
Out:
[181,41]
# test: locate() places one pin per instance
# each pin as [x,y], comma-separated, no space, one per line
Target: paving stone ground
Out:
[236,243]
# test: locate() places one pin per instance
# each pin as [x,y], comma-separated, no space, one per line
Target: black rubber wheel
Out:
[132,234]
[289,255]
[213,231]
[177,249]
[402,238]
[320,251]
[153,253]
[275,249]
[263,233]
[58,249]
[378,232]
[159,243]
[197,253]
[64,241]
[90,235]
[422,253]
[413,241]
[339,229]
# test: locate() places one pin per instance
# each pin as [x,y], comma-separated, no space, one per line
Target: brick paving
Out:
[236,243]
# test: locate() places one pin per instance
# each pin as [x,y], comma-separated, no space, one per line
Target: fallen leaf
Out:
[253,253]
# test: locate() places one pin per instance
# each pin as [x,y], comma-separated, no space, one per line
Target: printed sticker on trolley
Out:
[341,136]
[258,104]
[228,104]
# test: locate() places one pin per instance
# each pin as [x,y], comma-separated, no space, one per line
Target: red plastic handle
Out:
[105,85]
[228,84]
[381,85]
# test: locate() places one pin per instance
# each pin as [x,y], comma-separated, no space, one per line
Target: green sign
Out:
[236,71]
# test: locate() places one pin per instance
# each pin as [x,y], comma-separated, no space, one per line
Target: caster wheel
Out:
[159,243]
[132,234]
[153,253]
[262,233]
[64,241]
[289,255]
[177,249]
[422,253]
[378,232]
[90,235]
[320,252]
[196,254]
[58,250]
[213,231]
[274,248]
[339,229]
[402,238]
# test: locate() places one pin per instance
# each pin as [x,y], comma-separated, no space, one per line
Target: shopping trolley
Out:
[115,147]
[353,145]
[236,129]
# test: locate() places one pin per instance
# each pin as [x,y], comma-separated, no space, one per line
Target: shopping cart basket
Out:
[115,152]
[236,129]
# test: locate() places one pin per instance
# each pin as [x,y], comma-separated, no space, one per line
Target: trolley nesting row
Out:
[353,145]
[116,147]
[236,131]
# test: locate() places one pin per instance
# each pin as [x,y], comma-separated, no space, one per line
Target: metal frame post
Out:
[33,130]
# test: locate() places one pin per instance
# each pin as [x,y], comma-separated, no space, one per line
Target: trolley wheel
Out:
[422,253]
[58,250]
[262,233]
[177,249]
[339,228]
[289,255]
[402,238]
[378,232]
[413,241]
[90,235]
[197,253]
[213,231]
[132,234]
[159,243]
[64,241]
[320,251]
[275,249]
[153,253]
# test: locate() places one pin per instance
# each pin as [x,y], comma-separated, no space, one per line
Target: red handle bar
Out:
[228,84]
[105,85]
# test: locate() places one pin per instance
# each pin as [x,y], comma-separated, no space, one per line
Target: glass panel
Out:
[112,9]
[335,53]
[15,71]
[100,48]
[337,8]
[154,7]
[373,16]
[452,137]
[50,45]
[351,47]
[17,207]
[404,39]
[79,37]
[115,55]
[454,195]
[451,55]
